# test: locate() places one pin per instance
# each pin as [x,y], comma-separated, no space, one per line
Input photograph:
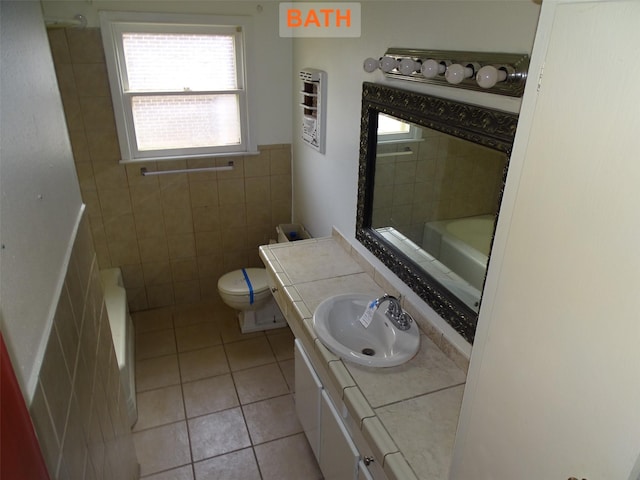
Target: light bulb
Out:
[432,68]
[370,64]
[456,73]
[407,66]
[388,63]
[489,75]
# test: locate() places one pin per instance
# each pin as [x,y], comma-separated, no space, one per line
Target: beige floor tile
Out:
[162,448]
[289,458]
[182,473]
[240,465]
[193,314]
[277,331]
[249,353]
[227,319]
[271,419]
[209,395]
[260,383]
[152,320]
[289,372]
[157,372]
[159,407]
[203,363]
[282,344]
[193,337]
[218,433]
[155,344]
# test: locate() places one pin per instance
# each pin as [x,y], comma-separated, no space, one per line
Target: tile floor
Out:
[214,403]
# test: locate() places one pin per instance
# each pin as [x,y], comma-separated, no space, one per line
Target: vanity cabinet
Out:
[308,397]
[338,454]
[363,472]
[325,427]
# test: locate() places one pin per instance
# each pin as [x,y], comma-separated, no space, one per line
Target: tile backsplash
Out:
[172,235]
[78,409]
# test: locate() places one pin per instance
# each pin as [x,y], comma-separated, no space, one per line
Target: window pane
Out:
[179,62]
[186,121]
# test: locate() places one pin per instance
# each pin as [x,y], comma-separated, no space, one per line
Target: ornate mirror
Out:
[431,178]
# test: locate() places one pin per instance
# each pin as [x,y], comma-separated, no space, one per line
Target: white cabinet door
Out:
[338,454]
[307,397]
[553,389]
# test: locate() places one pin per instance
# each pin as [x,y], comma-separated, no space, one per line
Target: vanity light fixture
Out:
[457,72]
[489,75]
[371,65]
[500,73]
[387,64]
[407,66]
[432,68]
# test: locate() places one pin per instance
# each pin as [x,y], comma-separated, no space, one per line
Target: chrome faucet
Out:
[401,319]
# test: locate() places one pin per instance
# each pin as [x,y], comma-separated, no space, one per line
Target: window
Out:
[178,84]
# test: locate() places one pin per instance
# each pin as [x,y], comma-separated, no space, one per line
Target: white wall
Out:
[40,204]
[325,186]
[271,55]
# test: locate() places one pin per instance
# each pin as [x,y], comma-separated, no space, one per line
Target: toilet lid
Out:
[235,283]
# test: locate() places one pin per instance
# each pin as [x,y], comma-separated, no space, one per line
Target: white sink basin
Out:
[337,324]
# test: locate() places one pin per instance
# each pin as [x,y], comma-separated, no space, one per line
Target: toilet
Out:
[247,291]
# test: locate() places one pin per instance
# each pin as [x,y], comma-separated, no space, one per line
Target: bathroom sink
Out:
[337,323]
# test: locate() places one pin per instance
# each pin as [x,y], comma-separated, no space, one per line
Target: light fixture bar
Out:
[457,69]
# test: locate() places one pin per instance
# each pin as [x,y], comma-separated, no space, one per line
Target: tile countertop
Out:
[410,412]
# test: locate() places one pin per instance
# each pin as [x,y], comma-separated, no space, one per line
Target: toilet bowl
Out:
[247,291]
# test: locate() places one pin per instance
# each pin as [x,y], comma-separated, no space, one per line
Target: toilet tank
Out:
[290,232]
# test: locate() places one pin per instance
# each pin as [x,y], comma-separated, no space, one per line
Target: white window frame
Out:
[113,24]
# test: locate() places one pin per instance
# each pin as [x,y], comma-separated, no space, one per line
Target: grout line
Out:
[255,457]
[244,418]
[395,402]
[159,472]
[159,426]
[184,403]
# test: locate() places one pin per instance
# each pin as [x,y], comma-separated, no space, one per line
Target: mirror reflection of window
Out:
[392,129]
[389,125]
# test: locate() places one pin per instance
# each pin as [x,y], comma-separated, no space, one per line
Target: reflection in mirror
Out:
[435,198]
[431,176]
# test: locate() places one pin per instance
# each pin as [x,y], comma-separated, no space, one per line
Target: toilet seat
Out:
[235,284]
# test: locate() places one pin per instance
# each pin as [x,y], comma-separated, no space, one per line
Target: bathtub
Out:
[461,288]
[115,299]
[462,244]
